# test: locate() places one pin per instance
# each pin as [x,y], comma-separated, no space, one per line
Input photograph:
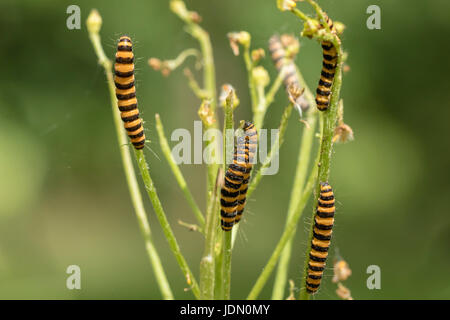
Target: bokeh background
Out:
[63,195]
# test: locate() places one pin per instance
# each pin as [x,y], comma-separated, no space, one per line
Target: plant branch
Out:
[94,23]
[270,96]
[326,147]
[287,235]
[195,87]
[251,80]
[207,264]
[209,76]
[297,190]
[273,150]
[160,214]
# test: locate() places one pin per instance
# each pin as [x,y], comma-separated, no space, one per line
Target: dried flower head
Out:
[195,17]
[341,271]
[343,292]
[205,113]
[291,290]
[343,133]
[226,94]
[238,38]
[286,5]
[339,26]
[295,94]
[155,63]
[310,28]
[258,54]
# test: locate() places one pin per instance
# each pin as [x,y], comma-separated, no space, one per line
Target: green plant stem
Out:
[228,127]
[209,78]
[273,150]
[177,172]
[297,190]
[299,180]
[207,264]
[195,87]
[179,60]
[227,236]
[319,12]
[218,289]
[326,148]
[288,233]
[251,79]
[261,108]
[130,175]
[151,191]
[270,96]
[300,14]
[226,269]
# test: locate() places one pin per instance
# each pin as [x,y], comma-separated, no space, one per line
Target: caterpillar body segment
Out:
[234,190]
[228,198]
[126,92]
[320,243]
[246,150]
[323,91]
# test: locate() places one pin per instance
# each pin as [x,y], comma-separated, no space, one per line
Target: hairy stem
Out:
[177,172]
[207,264]
[226,264]
[287,235]
[297,190]
[326,148]
[227,236]
[130,175]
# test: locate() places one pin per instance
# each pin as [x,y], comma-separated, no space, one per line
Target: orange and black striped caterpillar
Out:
[279,57]
[126,92]
[320,243]
[323,91]
[234,190]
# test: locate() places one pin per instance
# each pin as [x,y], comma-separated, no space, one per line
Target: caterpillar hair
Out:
[279,57]
[228,198]
[245,153]
[320,243]
[323,91]
[234,189]
[126,92]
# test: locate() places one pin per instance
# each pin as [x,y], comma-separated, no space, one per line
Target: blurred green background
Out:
[63,195]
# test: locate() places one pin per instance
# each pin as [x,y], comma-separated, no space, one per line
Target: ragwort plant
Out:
[215,265]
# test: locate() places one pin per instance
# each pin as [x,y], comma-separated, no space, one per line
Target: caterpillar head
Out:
[247,125]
